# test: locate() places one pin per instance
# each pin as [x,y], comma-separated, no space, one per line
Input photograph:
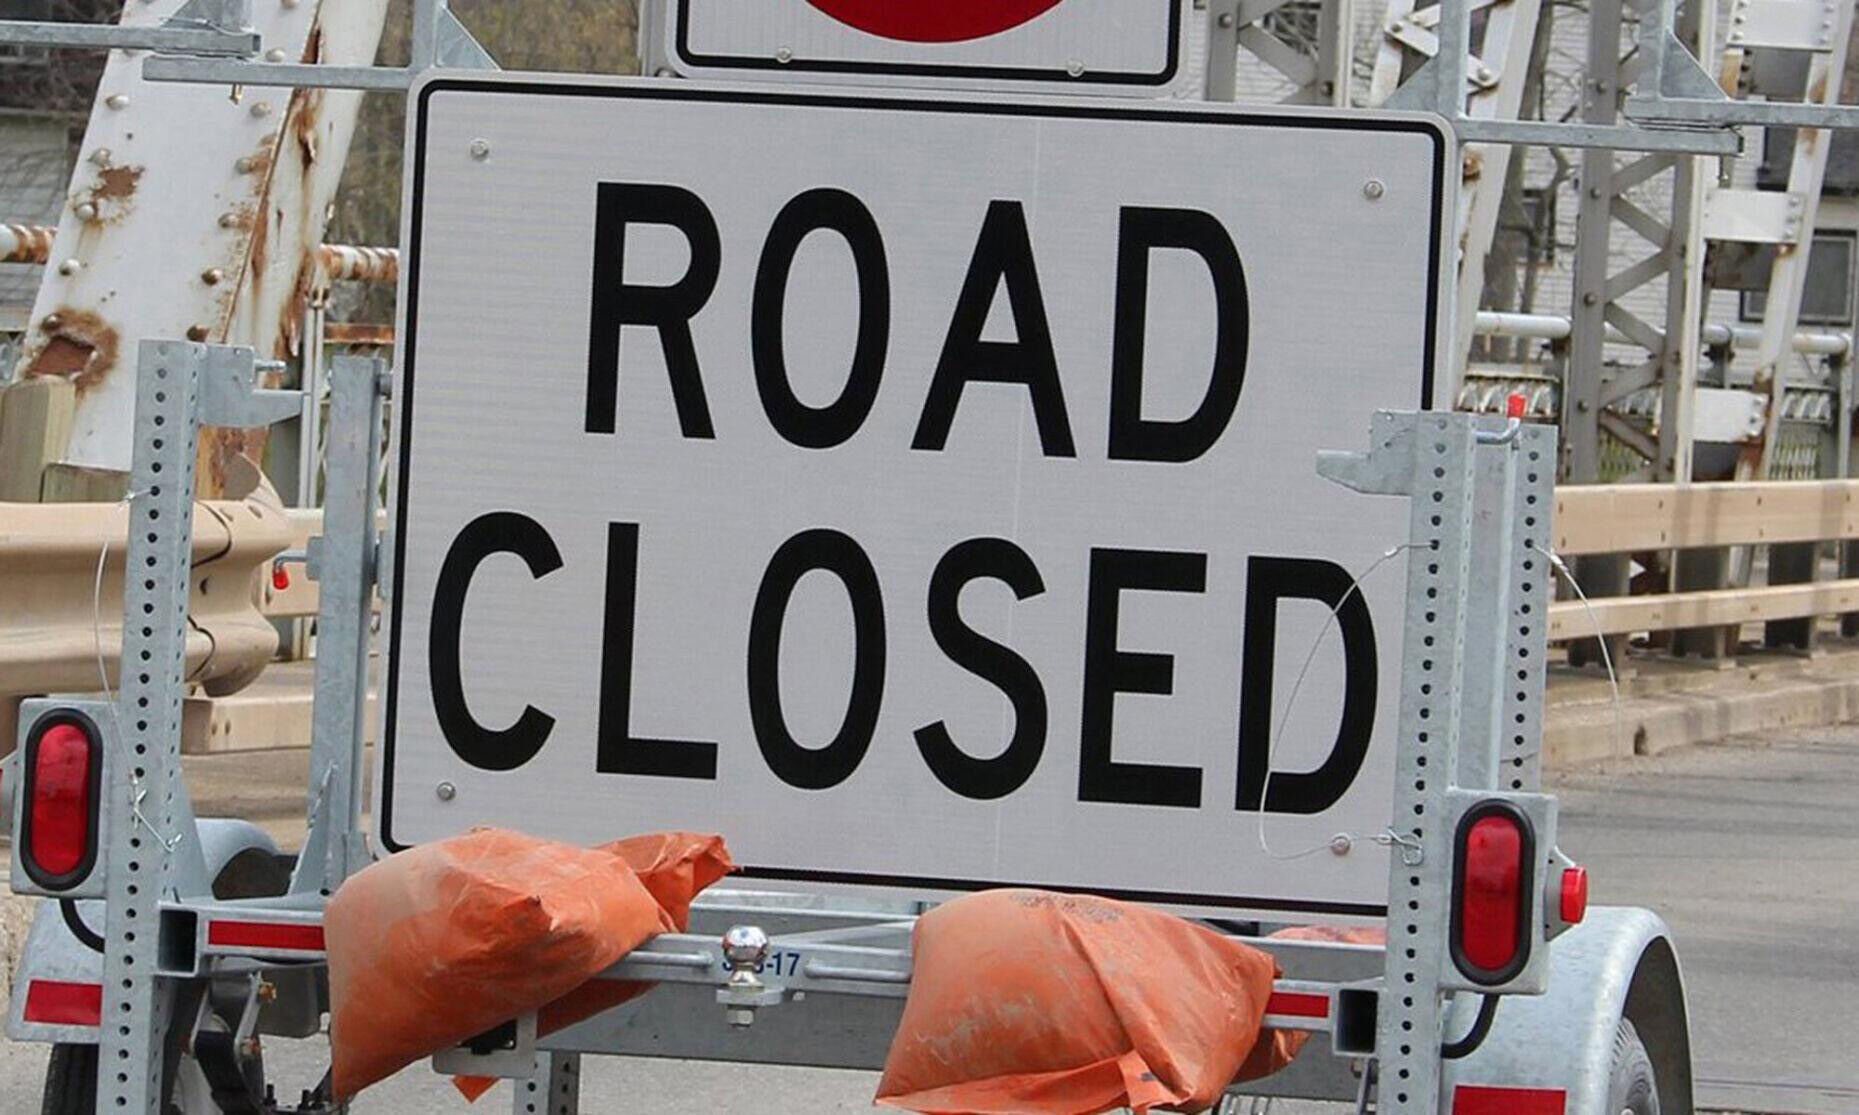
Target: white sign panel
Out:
[919,492]
[1139,48]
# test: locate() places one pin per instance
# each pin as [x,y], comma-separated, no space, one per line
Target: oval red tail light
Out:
[1491,894]
[63,769]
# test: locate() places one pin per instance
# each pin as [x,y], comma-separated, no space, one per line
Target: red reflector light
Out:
[1298,1004]
[1477,1099]
[1491,894]
[1574,895]
[57,1003]
[265,935]
[62,773]
[280,578]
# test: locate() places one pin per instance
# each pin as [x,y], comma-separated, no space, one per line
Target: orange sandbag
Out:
[1024,1001]
[1278,1048]
[674,868]
[447,940]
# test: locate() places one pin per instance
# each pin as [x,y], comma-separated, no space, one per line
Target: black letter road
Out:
[921,494]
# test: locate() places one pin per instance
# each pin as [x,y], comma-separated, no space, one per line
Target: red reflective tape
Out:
[57,1003]
[1297,1004]
[290,936]
[1485,1099]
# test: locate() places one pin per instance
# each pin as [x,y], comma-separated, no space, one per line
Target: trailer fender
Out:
[1619,963]
[58,988]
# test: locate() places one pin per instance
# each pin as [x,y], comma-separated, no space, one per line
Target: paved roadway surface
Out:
[1750,849]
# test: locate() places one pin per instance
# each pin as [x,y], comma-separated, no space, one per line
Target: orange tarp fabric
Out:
[675,867]
[1028,1002]
[450,939]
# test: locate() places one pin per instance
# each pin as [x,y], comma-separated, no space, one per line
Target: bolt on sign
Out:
[919,491]
[1139,48]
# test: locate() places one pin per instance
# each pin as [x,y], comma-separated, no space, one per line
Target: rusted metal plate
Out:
[194,214]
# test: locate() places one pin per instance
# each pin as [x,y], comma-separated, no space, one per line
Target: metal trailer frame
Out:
[213,974]
[186,982]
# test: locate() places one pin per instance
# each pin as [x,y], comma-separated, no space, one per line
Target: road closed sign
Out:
[918,491]
[1140,48]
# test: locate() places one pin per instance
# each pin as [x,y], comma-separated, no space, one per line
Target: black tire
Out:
[1631,1087]
[70,1080]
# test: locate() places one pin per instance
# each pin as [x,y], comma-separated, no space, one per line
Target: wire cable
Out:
[1600,636]
[1388,838]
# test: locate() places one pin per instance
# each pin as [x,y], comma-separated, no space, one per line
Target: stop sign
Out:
[934,21]
[1122,48]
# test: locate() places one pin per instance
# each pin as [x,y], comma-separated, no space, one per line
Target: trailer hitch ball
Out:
[745,949]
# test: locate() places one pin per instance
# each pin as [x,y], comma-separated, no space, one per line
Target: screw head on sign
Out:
[480,149]
[1516,406]
[445,791]
[1373,189]
[1341,844]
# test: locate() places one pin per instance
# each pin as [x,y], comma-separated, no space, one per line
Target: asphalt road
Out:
[1750,849]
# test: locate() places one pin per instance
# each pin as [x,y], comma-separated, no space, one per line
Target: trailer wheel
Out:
[1631,1086]
[71,1072]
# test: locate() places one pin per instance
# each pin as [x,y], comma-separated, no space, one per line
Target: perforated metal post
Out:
[1431,458]
[1507,638]
[1471,686]
[147,825]
[342,560]
[553,1089]
[1524,670]
[1433,657]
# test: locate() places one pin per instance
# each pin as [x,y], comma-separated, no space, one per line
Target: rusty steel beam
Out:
[33,244]
[194,214]
[57,619]
[368,265]
[25,243]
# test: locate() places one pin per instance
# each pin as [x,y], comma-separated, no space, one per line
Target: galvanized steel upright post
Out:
[342,560]
[151,822]
[554,1088]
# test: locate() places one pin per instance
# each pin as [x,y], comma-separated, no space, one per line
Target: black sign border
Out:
[1102,109]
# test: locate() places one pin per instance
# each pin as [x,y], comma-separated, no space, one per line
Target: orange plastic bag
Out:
[1024,1001]
[674,867]
[444,941]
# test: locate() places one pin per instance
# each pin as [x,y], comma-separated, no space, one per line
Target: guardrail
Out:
[61,620]
[1634,518]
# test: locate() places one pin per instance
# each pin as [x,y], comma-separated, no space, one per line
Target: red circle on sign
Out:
[934,21]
